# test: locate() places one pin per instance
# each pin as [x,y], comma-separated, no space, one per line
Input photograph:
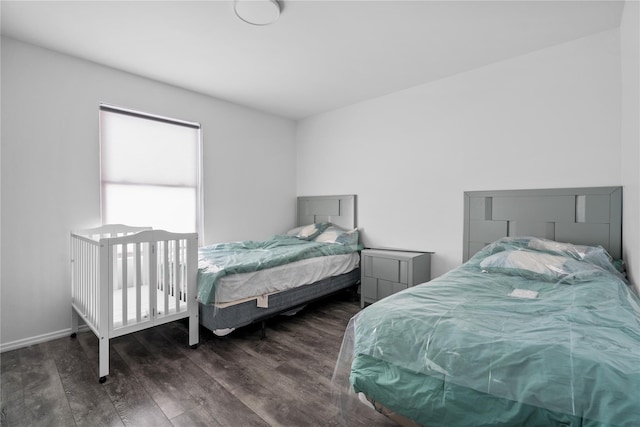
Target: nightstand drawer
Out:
[388,269]
[389,288]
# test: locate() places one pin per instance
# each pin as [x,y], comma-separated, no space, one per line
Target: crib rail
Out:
[124,279]
[86,277]
[109,230]
[152,271]
[85,280]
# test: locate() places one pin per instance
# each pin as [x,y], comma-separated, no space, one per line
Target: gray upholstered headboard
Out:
[587,216]
[339,210]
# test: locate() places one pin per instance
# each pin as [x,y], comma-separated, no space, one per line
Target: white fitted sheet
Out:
[236,288]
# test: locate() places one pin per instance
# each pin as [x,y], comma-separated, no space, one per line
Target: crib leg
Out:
[263,330]
[74,323]
[104,359]
[194,332]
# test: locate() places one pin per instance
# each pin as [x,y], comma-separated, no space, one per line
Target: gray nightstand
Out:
[386,272]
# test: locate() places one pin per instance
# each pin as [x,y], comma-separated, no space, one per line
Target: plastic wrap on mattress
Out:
[218,261]
[235,287]
[527,332]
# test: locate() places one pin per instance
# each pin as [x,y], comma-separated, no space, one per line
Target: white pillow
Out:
[307,231]
[294,231]
[335,234]
[595,255]
[538,265]
[535,262]
[329,236]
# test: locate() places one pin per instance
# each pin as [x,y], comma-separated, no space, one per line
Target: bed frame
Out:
[588,216]
[339,210]
[125,279]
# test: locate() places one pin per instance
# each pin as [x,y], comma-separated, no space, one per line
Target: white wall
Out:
[50,173]
[547,119]
[630,60]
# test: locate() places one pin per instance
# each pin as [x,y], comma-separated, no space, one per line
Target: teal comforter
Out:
[217,261]
[528,332]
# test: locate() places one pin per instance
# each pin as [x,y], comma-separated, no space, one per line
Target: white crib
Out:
[125,279]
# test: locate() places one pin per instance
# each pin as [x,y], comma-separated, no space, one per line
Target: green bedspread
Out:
[465,349]
[217,261]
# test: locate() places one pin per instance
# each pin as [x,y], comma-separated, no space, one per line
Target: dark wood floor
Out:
[157,380]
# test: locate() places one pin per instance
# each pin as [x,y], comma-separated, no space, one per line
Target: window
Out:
[149,170]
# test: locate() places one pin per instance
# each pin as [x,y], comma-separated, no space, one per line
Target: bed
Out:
[240,283]
[537,328]
[125,279]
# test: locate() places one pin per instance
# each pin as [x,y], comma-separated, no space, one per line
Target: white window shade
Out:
[150,170]
[167,208]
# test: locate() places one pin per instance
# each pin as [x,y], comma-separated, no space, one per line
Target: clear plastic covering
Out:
[527,332]
[220,260]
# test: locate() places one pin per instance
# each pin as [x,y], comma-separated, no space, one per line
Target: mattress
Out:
[224,260]
[224,318]
[243,286]
[505,340]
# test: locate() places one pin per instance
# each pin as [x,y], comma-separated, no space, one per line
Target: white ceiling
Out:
[319,56]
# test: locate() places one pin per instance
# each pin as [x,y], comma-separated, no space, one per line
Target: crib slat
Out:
[85,275]
[104,288]
[138,264]
[94,292]
[85,266]
[94,284]
[183,272]
[82,271]
[176,274]
[125,284]
[167,283]
[184,250]
[85,272]
[75,279]
[153,277]
[80,287]
[88,291]
[77,262]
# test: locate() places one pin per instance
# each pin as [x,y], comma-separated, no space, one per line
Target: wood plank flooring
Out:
[157,380]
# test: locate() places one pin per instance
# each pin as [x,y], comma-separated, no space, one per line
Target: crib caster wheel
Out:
[193,347]
[73,335]
[102,380]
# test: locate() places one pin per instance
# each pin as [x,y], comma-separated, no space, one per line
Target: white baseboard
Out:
[26,342]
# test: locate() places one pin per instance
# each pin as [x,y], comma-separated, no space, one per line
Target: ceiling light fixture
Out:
[257,12]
